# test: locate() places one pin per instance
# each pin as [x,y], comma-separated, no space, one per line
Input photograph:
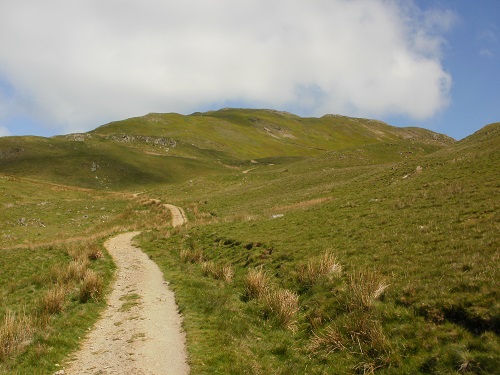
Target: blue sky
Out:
[72,66]
[472,56]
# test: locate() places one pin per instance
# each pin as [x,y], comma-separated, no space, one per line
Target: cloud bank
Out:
[77,64]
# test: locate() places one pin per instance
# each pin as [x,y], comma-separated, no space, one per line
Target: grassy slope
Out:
[363,199]
[431,232]
[170,148]
[253,134]
[94,163]
[45,230]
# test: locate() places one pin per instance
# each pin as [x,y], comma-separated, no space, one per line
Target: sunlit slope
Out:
[171,148]
[246,133]
[427,224]
[33,212]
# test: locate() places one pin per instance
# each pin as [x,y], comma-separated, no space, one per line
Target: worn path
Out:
[140,331]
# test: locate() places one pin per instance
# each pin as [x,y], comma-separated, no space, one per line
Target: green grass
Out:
[429,233]
[130,300]
[26,277]
[409,217]
[54,270]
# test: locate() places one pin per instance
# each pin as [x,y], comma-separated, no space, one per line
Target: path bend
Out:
[140,332]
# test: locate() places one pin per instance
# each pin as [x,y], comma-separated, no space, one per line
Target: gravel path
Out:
[140,331]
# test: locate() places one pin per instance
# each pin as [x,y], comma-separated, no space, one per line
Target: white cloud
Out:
[4,132]
[83,62]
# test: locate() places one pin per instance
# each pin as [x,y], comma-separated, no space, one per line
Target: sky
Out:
[71,66]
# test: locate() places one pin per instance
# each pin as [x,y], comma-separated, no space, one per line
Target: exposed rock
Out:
[159,141]
[78,137]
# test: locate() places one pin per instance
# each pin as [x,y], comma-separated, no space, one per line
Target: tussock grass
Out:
[88,250]
[358,335]
[364,288]
[74,272]
[16,331]
[281,306]
[54,300]
[278,305]
[331,339]
[257,283]
[324,266]
[191,256]
[91,287]
[218,271]
[94,252]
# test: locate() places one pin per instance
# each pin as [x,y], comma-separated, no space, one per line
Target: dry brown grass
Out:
[91,287]
[191,256]
[257,283]
[16,332]
[74,272]
[281,305]
[54,300]
[218,271]
[94,252]
[364,288]
[315,269]
[88,250]
[330,340]
[358,335]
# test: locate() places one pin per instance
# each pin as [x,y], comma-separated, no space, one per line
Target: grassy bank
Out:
[54,269]
[329,245]
[417,246]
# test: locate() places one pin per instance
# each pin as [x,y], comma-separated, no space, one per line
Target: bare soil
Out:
[140,331]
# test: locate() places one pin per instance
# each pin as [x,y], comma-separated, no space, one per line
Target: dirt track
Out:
[140,331]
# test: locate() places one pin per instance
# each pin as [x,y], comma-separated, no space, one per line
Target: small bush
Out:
[256,283]
[15,334]
[91,287]
[54,300]
[281,305]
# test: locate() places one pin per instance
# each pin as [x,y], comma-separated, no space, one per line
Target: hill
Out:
[380,242]
[171,148]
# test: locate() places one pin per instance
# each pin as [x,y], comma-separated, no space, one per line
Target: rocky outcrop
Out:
[159,141]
